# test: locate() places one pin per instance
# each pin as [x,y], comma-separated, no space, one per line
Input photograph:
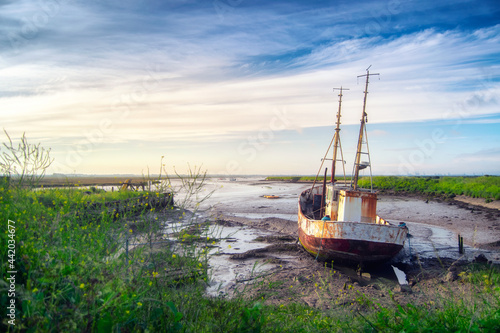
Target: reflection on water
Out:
[224,272]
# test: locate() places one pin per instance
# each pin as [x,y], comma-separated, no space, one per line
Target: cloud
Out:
[189,71]
[414,86]
[377,132]
[486,156]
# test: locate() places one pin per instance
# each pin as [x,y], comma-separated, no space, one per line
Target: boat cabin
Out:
[345,204]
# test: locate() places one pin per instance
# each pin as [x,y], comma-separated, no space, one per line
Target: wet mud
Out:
[279,271]
[273,265]
[256,252]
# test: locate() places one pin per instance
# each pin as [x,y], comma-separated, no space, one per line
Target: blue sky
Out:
[245,87]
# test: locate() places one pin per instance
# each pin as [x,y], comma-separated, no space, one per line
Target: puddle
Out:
[181,219]
[244,199]
[225,272]
[289,217]
[428,242]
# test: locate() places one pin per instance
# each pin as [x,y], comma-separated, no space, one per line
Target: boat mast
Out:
[337,135]
[336,139]
[364,120]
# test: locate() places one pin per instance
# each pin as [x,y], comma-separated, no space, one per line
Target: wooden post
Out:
[460,244]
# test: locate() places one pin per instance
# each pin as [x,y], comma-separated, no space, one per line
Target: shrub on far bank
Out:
[487,187]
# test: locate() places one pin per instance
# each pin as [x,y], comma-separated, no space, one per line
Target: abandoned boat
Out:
[337,221]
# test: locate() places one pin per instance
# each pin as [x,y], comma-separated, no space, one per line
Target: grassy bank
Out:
[71,181]
[294,179]
[487,187]
[73,274]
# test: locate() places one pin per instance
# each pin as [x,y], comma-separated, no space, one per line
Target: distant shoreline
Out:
[481,190]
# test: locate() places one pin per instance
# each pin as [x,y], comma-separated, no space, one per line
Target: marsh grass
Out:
[74,274]
[487,187]
[470,304]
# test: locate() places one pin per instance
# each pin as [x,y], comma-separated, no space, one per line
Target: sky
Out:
[239,87]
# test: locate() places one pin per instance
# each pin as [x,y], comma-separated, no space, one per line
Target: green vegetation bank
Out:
[73,275]
[487,187]
[83,260]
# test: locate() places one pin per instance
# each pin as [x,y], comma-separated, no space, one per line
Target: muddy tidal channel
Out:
[259,254]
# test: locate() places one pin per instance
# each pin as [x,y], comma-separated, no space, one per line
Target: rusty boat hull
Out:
[364,240]
[338,221]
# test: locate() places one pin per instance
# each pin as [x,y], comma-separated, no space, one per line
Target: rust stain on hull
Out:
[348,249]
[370,239]
[339,221]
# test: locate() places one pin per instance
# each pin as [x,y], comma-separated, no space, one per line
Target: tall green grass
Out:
[72,270]
[487,187]
[74,275]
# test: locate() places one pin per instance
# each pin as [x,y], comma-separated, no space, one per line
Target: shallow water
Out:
[224,271]
[244,198]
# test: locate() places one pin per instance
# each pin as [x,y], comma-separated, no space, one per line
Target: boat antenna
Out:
[337,142]
[362,131]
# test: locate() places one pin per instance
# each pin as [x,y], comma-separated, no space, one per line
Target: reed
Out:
[74,276]
[103,272]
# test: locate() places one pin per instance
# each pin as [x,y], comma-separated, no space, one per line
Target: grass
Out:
[301,178]
[75,275]
[71,269]
[487,187]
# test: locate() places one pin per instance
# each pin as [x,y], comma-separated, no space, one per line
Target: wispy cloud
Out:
[192,72]
[482,156]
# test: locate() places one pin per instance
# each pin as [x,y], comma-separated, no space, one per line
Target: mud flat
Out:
[480,226]
[244,201]
[268,260]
